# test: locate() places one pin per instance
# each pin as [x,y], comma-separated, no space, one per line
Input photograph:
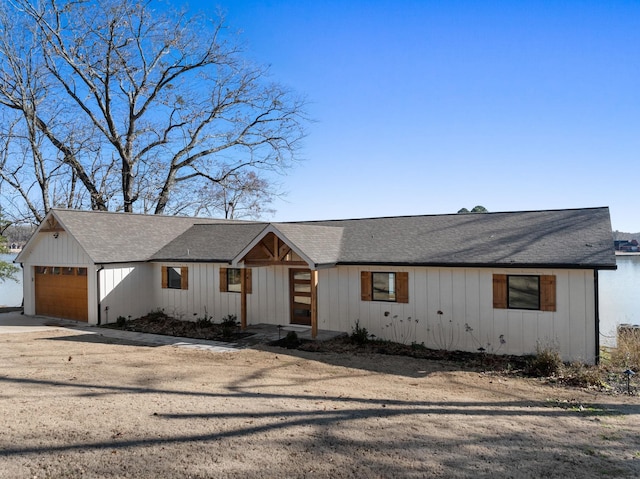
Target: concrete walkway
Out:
[16,322]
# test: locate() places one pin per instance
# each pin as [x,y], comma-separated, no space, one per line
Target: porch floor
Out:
[265,333]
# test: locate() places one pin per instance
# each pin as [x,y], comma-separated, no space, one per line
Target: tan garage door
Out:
[61,292]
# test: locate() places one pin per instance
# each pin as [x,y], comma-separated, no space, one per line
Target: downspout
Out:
[597,315]
[22,266]
[98,291]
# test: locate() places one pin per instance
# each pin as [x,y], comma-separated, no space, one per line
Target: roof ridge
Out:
[430,215]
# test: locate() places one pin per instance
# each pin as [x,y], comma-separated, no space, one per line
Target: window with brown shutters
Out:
[230,280]
[533,292]
[175,277]
[384,286]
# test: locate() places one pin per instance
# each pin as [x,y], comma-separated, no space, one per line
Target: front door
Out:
[300,296]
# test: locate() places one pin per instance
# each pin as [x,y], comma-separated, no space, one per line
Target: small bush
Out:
[204,322]
[545,363]
[230,321]
[359,335]
[121,322]
[580,375]
[157,315]
[291,340]
[229,325]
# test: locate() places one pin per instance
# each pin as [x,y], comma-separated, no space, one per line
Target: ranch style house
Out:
[504,282]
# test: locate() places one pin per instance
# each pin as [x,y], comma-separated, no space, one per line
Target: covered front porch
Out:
[279,247]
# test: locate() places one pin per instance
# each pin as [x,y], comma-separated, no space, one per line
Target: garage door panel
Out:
[61,292]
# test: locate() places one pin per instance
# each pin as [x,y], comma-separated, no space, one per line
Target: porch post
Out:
[314,303]
[243,300]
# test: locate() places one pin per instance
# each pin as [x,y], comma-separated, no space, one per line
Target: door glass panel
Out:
[302,299]
[302,312]
[302,275]
[302,288]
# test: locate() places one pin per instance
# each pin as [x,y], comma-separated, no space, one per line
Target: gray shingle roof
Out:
[568,238]
[123,237]
[575,238]
[213,243]
[321,244]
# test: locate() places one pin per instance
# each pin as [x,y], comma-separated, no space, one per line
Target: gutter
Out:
[597,315]
[98,292]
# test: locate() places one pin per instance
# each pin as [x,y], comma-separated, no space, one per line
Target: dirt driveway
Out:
[79,405]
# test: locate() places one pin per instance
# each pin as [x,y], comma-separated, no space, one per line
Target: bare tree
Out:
[130,93]
[239,195]
[7,270]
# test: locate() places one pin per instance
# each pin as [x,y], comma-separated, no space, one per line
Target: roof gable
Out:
[109,237]
[315,245]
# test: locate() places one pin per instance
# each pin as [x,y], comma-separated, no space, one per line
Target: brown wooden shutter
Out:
[184,277]
[165,276]
[247,280]
[500,291]
[548,293]
[402,287]
[223,280]
[365,285]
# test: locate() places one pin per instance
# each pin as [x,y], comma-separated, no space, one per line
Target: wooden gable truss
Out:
[270,251]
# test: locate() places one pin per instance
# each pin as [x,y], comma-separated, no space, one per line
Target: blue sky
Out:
[425,107]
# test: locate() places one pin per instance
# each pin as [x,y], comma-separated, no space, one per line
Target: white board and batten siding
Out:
[201,299]
[56,249]
[126,290]
[268,302]
[468,321]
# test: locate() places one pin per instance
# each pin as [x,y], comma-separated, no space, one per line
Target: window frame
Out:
[232,272]
[390,294]
[512,292]
[546,292]
[174,277]
[224,279]
[401,286]
[169,282]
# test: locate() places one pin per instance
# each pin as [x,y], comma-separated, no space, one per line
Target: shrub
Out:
[204,322]
[359,335]
[580,375]
[546,362]
[291,340]
[230,321]
[229,325]
[157,315]
[121,322]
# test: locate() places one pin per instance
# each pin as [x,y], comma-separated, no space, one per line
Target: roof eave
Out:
[437,264]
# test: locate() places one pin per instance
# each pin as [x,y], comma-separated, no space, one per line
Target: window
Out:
[233,280]
[533,292]
[387,286]
[175,277]
[384,286]
[230,280]
[523,292]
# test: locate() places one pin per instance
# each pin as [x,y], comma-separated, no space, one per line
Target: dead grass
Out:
[627,353]
[76,406]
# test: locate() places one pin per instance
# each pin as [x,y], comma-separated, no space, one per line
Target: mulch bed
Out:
[160,323]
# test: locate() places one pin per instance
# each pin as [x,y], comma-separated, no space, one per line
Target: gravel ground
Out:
[78,405]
